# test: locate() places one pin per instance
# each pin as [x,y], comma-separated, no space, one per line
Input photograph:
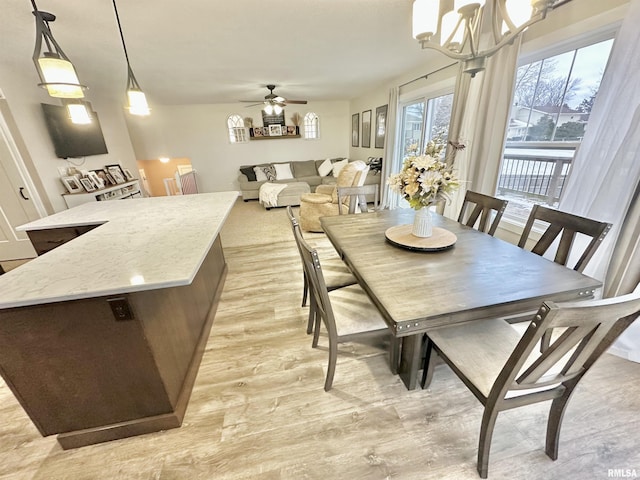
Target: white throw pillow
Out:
[283,171]
[339,166]
[325,168]
[260,175]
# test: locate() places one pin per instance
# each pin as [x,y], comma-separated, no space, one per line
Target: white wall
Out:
[24,98]
[199,132]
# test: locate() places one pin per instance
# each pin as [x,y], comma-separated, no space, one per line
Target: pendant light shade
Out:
[136,99]
[57,73]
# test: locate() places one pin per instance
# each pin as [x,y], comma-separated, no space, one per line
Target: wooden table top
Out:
[479,277]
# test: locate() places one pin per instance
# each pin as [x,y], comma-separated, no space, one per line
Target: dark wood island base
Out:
[114,366]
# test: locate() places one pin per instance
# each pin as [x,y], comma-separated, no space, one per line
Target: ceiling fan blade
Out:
[253,104]
[251,101]
[299,102]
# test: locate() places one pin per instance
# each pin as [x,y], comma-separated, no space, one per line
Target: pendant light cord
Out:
[124,46]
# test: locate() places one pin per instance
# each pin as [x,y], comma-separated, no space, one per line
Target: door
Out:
[16,207]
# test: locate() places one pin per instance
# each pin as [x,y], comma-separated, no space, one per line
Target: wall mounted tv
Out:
[69,139]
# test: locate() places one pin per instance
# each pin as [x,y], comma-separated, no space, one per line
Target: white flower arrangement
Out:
[425,179]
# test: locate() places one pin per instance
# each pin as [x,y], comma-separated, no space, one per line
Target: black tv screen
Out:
[70,139]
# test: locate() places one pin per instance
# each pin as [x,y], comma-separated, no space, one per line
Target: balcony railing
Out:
[535,172]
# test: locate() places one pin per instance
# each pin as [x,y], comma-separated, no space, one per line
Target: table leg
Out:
[410,357]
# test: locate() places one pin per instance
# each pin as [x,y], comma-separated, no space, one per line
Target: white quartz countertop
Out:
[142,244]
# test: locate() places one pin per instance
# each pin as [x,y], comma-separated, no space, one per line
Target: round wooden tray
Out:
[401,236]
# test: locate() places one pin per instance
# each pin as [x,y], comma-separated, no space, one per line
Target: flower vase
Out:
[422,224]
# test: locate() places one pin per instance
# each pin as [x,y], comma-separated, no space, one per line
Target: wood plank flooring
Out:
[258,409]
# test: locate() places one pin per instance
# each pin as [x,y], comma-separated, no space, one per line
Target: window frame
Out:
[513,222]
[236,132]
[307,126]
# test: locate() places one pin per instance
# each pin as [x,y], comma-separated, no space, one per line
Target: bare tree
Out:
[538,84]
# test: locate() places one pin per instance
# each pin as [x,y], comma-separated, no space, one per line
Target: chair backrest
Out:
[484,205]
[569,225]
[349,176]
[357,197]
[317,286]
[587,329]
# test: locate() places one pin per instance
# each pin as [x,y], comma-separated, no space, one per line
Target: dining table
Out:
[478,277]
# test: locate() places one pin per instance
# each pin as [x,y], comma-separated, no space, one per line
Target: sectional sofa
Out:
[312,172]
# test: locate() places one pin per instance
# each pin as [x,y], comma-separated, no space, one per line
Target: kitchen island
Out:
[101,336]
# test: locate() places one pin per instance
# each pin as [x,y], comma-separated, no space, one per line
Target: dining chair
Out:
[483,208]
[504,370]
[347,313]
[358,198]
[568,225]
[337,274]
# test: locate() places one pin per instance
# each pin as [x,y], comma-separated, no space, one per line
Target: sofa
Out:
[311,172]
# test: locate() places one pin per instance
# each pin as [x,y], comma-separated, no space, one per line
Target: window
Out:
[552,101]
[237,132]
[311,126]
[423,120]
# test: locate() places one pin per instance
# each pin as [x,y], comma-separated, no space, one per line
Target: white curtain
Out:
[390,199]
[479,121]
[606,167]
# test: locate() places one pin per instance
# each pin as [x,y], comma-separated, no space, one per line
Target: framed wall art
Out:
[366,129]
[355,130]
[381,125]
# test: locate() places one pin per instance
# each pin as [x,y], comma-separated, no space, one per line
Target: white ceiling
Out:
[215,51]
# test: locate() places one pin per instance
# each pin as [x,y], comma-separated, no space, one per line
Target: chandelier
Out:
[474,30]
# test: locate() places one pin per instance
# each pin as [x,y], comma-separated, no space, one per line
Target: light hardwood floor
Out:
[258,409]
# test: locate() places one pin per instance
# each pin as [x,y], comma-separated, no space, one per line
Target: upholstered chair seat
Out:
[324,201]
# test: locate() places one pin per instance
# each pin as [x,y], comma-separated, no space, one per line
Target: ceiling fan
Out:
[273,103]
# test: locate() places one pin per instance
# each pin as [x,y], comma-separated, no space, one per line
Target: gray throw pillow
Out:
[248,171]
[305,168]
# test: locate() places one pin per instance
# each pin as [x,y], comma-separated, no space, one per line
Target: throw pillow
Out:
[260,176]
[305,168]
[269,172]
[283,171]
[339,166]
[325,168]
[250,174]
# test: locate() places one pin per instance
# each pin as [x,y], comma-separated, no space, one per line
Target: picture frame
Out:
[258,131]
[381,125]
[366,129]
[88,185]
[116,172]
[355,130]
[111,180]
[127,174]
[72,184]
[275,130]
[98,180]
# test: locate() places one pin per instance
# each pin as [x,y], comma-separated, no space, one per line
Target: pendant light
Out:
[137,101]
[57,73]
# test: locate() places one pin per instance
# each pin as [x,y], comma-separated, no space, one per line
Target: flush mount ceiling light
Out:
[54,68]
[460,33]
[137,101]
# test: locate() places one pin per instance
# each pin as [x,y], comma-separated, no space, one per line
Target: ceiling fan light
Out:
[138,103]
[60,78]
[277,109]
[268,109]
